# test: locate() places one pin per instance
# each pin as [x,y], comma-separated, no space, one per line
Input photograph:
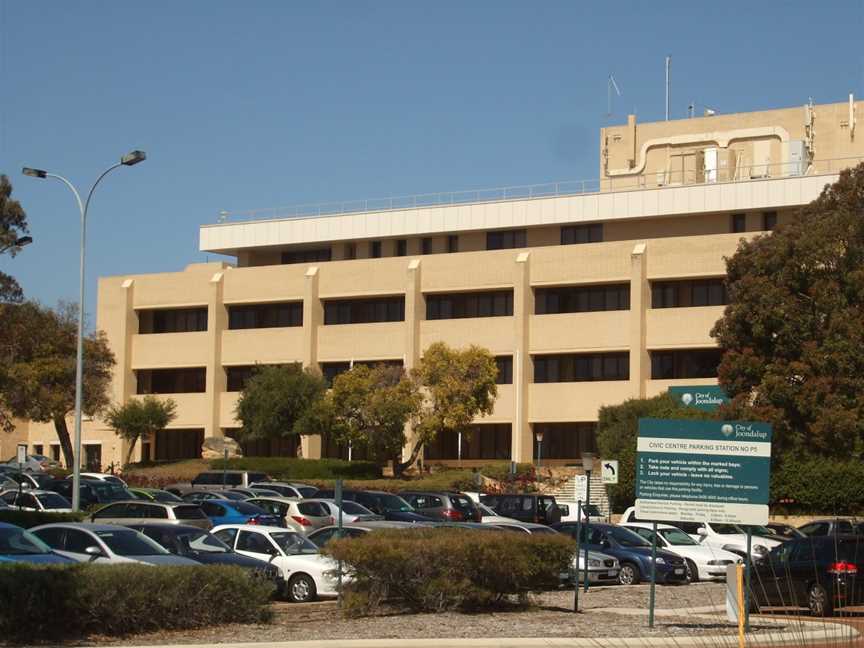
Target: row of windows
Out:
[581,299]
[565,440]
[364,311]
[265,315]
[497,303]
[332,369]
[682,294]
[738,222]
[685,363]
[172,320]
[171,381]
[488,441]
[581,367]
[307,256]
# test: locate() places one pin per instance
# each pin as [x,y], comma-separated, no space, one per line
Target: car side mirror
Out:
[94,552]
[702,531]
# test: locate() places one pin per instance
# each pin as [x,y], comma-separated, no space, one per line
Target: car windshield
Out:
[126,542]
[42,479]
[757,530]
[114,480]
[485,510]
[626,537]
[307,491]
[53,501]
[394,503]
[353,508]
[108,492]
[230,495]
[18,542]
[164,496]
[726,529]
[293,544]
[247,509]
[205,542]
[677,537]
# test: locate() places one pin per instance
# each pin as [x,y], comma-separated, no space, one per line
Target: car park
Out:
[443,505]
[602,569]
[37,500]
[302,516]
[220,479]
[391,506]
[819,573]
[199,496]
[832,526]
[703,562]
[33,463]
[19,545]
[357,529]
[140,512]
[250,492]
[105,544]
[30,479]
[632,551]
[286,489]
[230,512]
[154,495]
[92,492]
[351,511]
[307,574]
[540,509]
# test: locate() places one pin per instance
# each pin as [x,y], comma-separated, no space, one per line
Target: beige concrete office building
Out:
[588,293]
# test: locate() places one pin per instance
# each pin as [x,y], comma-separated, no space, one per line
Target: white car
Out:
[92,476]
[105,544]
[36,500]
[704,562]
[351,511]
[569,511]
[491,517]
[287,489]
[307,575]
[728,537]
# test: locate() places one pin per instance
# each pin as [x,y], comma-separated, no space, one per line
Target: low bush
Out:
[28,519]
[440,569]
[68,602]
[817,485]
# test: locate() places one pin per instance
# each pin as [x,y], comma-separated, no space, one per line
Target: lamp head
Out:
[24,240]
[588,461]
[34,173]
[132,158]
[539,437]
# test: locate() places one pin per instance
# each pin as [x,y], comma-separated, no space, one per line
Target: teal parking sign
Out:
[703,470]
[701,397]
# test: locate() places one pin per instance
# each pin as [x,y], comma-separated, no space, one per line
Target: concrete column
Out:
[415,312]
[217,321]
[313,317]
[523,307]
[125,383]
[640,301]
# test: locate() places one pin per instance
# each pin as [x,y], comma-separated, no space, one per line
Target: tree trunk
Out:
[400,467]
[65,442]
[129,452]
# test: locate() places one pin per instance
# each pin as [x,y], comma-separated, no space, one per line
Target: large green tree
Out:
[140,418]
[37,367]
[793,331]
[13,226]
[275,398]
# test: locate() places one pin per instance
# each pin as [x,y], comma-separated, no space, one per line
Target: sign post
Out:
[337,495]
[696,471]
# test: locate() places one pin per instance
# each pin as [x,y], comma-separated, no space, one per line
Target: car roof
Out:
[251,527]
[647,525]
[6,525]
[276,498]
[32,491]
[84,526]
[432,492]
[167,526]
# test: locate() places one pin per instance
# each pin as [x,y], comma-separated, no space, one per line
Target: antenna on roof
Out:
[611,85]
[668,84]
[223,216]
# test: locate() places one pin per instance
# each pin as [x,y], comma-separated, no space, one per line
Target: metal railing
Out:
[624,182]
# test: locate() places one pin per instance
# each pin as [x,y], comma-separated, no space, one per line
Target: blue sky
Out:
[241,105]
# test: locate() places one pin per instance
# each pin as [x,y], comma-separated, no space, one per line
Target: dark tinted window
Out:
[306,256]
[739,223]
[364,311]
[506,239]
[51,536]
[112,511]
[589,233]
[452,243]
[173,320]
[505,370]
[238,376]
[581,299]
[78,541]
[315,509]
[212,509]
[280,314]
[583,367]
[686,363]
[189,513]
[498,303]
[683,294]
[769,220]
[375,249]
[426,246]
[401,247]
[171,381]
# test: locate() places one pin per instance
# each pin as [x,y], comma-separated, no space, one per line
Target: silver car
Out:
[105,544]
[351,511]
[602,568]
[301,516]
[141,512]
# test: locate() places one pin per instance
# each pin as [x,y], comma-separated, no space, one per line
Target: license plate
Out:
[679,570]
[612,574]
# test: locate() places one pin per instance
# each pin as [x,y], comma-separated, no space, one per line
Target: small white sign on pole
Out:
[22,453]
[609,471]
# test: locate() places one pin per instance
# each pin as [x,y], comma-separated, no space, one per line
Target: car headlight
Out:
[593,562]
[659,561]
[719,562]
[760,549]
[331,574]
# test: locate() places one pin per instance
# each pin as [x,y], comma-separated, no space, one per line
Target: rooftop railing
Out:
[622,182]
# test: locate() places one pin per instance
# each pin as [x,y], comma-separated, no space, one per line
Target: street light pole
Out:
[539,436]
[587,466]
[130,159]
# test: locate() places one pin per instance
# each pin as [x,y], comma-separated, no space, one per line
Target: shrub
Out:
[53,602]
[439,569]
[28,519]
[818,485]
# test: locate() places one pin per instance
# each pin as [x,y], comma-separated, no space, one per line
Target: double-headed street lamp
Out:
[130,159]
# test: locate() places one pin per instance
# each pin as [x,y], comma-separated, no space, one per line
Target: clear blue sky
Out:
[259,104]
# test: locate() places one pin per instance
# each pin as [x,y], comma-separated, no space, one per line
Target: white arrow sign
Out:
[609,471]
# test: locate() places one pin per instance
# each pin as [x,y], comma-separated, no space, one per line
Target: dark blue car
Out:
[224,511]
[19,545]
[632,551]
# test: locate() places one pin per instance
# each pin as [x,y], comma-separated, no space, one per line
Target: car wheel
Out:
[301,589]
[819,602]
[692,572]
[629,574]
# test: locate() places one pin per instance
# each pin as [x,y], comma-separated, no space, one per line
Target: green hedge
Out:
[440,569]
[28,519]
[68,602]
[818,486]
[289,468]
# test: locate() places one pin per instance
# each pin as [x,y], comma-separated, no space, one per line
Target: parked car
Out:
[526,527]
[30,479]
[19,545]
[819,573]
[37,500]
[443,505]
[288,489]
[351,511]
[105,544]
[33,463]
[728,537]
[205,548]
[230,512]
[703,561]
[140,512]
[357,529]
[602,569]
[307,574]
[832,526]
[784,531]
[92,492]
[540,509]
[103,477]
[391,506]
[302,516]
[569,511]
[154,495]
[632,551]
[218,479]
[250,492]
[199,496]
[488,516]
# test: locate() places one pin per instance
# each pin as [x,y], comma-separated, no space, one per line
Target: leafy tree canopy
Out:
[793,332]
[13,225]
[139,418]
